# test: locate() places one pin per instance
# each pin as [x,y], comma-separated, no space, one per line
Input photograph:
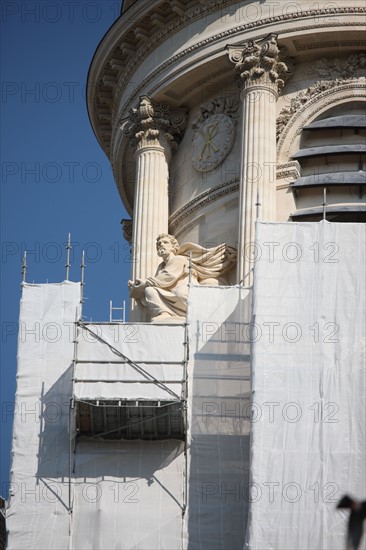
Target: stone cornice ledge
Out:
[135,61]
[109,76]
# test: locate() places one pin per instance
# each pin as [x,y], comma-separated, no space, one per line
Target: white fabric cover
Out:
[138,341]
[116,378]
[37,516]
[308,430]
[128,494]
[218,410]
[307,340]
[125,494]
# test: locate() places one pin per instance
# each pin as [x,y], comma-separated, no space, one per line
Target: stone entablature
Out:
[148,24]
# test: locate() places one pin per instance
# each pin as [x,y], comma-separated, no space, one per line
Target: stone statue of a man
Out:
[165,295]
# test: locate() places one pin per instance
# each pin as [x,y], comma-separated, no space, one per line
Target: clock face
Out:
[212,142]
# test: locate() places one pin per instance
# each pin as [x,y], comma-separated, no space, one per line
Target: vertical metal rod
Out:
[185,414]
[68,248]
[72,430]
[124,311]
[71,407]
[190,268]
[24,266]
[325,203]
[82,284]
[110,311]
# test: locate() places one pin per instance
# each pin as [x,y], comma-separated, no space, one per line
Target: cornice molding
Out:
[224,35]
[199,11]
[110,91]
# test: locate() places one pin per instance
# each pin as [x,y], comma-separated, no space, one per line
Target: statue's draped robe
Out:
[167,291]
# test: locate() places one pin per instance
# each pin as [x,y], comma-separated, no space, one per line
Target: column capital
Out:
[260,63]
[155,124]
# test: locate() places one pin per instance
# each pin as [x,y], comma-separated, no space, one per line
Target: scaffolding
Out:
[117,396]
[119,393]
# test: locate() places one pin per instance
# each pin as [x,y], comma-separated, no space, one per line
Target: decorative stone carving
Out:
[260,63]
[221,105]
[212,142]
[215,133]
[165,295]
[300,99]
[351,67]
[127,230]
[155,124]
[332,72]
[341,91]
[289,171]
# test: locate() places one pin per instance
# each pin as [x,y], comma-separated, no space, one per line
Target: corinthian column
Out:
[260,77]
[152,129]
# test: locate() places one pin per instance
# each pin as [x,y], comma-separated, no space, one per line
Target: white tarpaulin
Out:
[218,418]
[38,516]
[128,494]
[307,448]
[126,361]
[308,429]
[121,494]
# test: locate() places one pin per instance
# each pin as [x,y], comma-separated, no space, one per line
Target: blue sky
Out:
[55,178]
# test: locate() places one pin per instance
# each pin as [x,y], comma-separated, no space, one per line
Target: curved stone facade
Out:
[252,79]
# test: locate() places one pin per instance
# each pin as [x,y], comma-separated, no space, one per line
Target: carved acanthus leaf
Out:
[261,62]
[153,123]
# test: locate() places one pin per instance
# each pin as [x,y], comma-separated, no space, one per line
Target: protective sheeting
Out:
[307,340]
[95,381]
[130,361]
[121,494]
[128,495]
[308,426]
[37,515]
[138,341]
[218,418]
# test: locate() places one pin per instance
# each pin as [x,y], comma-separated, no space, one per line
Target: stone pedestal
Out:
[260,76]
[152,130]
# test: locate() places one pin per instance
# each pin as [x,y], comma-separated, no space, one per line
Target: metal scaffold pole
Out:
[82,283]
[72,431]
[67,265]
[24,266]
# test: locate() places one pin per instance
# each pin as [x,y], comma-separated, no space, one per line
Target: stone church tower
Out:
[239,128]
[215,113]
